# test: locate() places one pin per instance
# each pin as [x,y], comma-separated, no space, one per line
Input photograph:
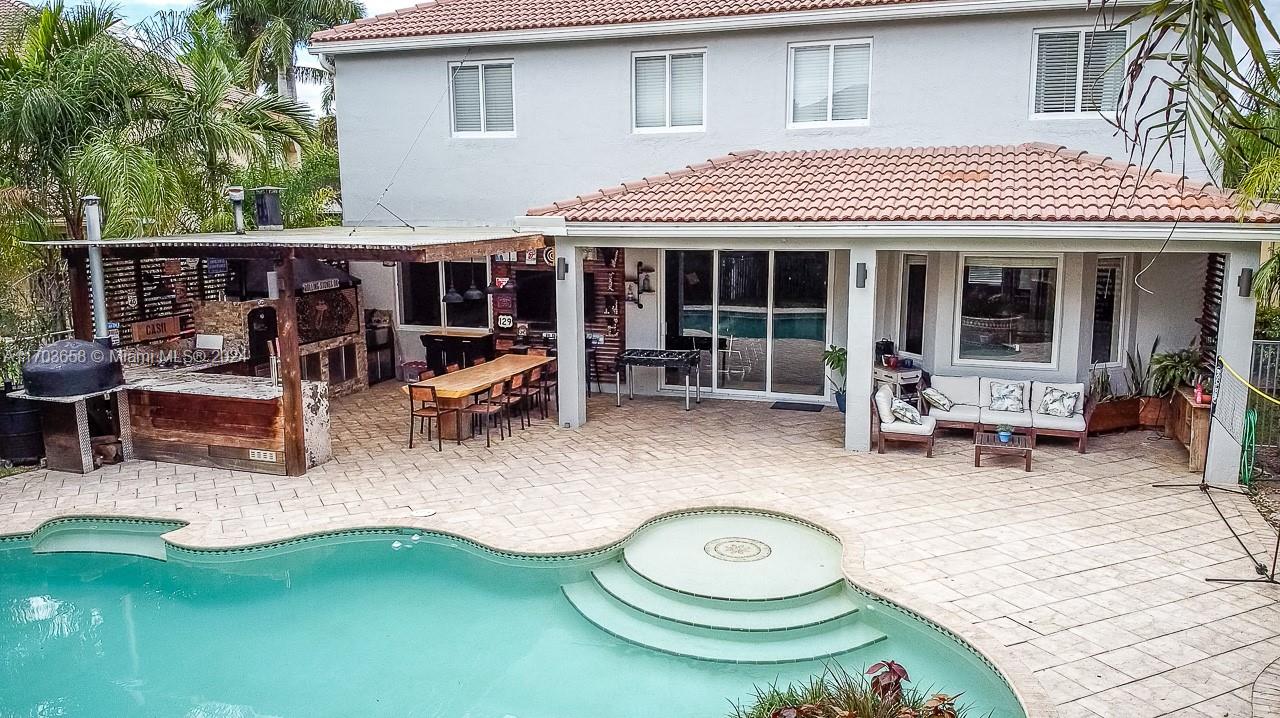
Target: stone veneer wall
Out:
[230,320]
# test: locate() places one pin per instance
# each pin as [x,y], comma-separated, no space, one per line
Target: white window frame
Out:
[668,128]
[484,121]
[1058,311]
[1122,337]
[831,55]
[1078,114]
[910,259]
[444,307]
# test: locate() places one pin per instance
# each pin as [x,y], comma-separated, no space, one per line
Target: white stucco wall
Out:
[959,81]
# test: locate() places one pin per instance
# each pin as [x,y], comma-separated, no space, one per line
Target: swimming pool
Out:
[376,623]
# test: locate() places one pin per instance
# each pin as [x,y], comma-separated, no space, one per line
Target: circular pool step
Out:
[735,557]
[740,588]
[638,593]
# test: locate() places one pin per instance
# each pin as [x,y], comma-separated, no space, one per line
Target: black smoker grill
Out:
[78,386]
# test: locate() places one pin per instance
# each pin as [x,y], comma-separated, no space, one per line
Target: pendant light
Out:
[473,293]
[451,296]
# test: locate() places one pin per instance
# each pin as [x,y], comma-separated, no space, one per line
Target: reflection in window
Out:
[688,285]
[911,324]
[1108,299]
[422,288]
[420,293]
[799,322]
[1007,309]
[742,312]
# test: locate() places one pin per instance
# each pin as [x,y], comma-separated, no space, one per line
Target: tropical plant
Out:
[268,34]
[1170,370]
[1209,74]
[153,128]
[837,693]
[1138,371]
[837,360]
[1266,326]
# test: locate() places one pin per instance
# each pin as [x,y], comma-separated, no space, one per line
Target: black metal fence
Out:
[1264,374]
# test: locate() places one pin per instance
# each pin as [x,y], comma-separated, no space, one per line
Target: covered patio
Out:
[1031,264]
[1080,571]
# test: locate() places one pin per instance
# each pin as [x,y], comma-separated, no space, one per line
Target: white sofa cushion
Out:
[959,389]
[924,428]
[1038,388]
[1021,419]
[984,391]
[884,403]
[1059,423]
[958,413]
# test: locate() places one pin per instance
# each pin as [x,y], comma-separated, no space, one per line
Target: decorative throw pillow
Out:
[937,398]
[906,412]
[1057,402]
[1007,397]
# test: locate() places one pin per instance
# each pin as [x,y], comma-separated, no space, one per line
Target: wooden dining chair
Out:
[550,383]
[478,361]
[424,409]
[538,351]
[531,392]
[489,410]
[452,368]
[514,398]
[426,374]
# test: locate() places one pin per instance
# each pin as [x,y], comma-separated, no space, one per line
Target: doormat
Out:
[795,406]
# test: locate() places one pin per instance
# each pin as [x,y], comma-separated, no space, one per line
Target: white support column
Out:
[1235,346]
[571,340]
[861,345]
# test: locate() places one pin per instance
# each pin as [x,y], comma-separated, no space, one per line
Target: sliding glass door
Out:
[759,317]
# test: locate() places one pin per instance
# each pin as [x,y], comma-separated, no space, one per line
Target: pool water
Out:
[372,625]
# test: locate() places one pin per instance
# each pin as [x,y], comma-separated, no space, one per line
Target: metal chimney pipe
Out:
[97,278]
[236,195]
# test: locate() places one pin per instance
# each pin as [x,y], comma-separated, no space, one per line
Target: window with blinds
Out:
[830,83]
[483,98]
[668,91]
[1078,71]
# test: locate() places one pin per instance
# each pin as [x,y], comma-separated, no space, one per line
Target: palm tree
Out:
[1210,79]
[153,128]
[269,32]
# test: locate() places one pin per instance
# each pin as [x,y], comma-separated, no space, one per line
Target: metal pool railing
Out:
[1264,374]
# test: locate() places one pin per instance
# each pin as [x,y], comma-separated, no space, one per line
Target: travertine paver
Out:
[1092,577]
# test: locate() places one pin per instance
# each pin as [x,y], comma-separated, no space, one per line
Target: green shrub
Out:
[836,693]
[1267,324]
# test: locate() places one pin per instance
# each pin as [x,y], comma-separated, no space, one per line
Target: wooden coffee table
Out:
[988,442]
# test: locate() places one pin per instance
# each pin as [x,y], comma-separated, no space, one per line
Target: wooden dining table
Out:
[456,390]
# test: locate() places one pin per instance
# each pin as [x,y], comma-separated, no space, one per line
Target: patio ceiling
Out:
[376,244]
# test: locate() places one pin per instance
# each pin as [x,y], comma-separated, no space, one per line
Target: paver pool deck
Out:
[1084,573]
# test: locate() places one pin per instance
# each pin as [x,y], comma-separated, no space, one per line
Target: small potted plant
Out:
[837,360]
[1004,432]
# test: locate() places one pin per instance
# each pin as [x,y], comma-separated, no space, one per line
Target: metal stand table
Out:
[685,360]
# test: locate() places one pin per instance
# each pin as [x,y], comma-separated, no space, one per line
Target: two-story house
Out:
[880,169]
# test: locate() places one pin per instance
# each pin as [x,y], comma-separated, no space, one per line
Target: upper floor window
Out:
[830,83]
[483,100]
[1078,71]
[668,91]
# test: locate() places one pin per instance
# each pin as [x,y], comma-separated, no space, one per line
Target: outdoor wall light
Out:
[562,268]
[860,276]
[1245,282]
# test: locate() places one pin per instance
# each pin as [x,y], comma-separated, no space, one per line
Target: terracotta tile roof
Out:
[1029,182]
[451,17]
[11,10]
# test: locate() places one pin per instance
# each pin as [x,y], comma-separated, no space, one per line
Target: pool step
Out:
[638,593]
[733,646]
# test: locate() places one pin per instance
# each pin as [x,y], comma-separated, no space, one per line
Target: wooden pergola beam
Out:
[449,251]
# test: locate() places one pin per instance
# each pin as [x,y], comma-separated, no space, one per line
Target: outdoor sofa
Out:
[972,408]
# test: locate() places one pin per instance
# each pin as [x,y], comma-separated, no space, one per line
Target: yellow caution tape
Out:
[1244,381]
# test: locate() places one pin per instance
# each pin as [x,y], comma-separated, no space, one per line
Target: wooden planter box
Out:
[1154,410]
[1115,415]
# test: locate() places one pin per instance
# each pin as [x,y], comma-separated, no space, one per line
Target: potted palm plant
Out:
[837,360]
